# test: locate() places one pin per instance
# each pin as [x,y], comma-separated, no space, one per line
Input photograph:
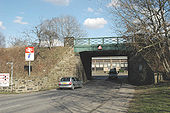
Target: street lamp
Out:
[11,63]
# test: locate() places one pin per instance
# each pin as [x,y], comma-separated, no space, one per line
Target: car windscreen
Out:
[65,79]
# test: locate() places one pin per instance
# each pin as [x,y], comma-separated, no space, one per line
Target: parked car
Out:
[70,82]
[113,73]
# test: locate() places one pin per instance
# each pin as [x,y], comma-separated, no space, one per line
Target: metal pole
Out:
[11,75]
[29,71]
[11,63]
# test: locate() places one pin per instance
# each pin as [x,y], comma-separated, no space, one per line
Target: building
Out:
[56,42]
[107,63]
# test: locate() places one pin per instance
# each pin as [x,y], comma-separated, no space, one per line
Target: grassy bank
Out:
[151,99]
[44,61]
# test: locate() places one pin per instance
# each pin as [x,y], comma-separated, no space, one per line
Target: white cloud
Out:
[114,3]
[19,20]
[1,25]
[95,23]
[59,2]
[90,10]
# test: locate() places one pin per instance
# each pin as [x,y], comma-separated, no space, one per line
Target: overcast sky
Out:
[19,15]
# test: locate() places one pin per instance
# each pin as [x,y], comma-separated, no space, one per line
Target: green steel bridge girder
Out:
[104,47]
[107,43]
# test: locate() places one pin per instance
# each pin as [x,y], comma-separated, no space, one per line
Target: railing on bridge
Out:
[108,43]
[97,41]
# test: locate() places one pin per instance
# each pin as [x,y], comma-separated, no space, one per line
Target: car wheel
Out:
[72,87]
[61,88]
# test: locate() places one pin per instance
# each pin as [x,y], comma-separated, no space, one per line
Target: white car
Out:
[70,82]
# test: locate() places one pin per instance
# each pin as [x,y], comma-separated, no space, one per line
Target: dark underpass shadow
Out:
[122,79]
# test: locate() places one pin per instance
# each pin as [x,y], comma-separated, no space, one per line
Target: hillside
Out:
[45,60]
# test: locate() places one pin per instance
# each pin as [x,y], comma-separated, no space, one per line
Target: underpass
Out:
[139,72]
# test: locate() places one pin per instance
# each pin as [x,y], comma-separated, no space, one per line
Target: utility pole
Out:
[11,63]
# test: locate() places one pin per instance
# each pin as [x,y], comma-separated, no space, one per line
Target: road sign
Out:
[4,79]
[29,53]
[99,47]
[29,56]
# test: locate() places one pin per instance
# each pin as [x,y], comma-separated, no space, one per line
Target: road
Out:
[99,95]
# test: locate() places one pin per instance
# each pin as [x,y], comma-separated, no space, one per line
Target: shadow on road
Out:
[100,94]
[120,80]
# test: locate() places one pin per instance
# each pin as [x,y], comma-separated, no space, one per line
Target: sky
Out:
[17,16]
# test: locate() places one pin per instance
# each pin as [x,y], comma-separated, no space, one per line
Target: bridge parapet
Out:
[107,43]
[100,40]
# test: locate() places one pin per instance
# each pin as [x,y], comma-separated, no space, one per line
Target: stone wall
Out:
[30,84]
[139,73]
[70,65]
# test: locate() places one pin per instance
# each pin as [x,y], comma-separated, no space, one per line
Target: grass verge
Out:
[151,99]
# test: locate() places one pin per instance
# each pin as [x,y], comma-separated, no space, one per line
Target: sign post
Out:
[11,63]
[29,56]
[29,72]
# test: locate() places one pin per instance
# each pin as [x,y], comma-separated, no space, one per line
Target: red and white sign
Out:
[29,53]
[99,47]
[4,79]
[29,50]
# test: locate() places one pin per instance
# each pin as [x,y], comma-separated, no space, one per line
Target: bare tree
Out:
[29,37]
[38,31]
[68,26]
[148,22]
[58,28]
[2,40]
[49,32]
[18,42]
[43,33]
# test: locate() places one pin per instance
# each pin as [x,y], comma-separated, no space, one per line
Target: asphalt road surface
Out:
[99,95]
